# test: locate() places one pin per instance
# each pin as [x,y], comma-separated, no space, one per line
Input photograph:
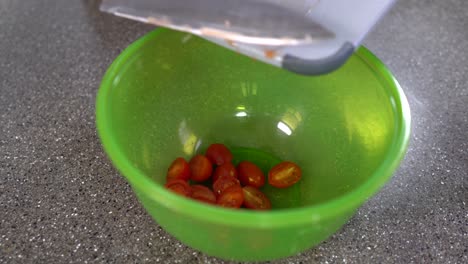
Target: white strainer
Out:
[306,37]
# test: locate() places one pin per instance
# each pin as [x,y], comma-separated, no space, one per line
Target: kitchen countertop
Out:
[61,201]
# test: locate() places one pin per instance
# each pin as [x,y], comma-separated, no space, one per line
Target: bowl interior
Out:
[175,94]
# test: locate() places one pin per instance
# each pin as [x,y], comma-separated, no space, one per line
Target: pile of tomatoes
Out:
[232,186]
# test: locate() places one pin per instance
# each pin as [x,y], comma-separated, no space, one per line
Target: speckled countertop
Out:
[61,201]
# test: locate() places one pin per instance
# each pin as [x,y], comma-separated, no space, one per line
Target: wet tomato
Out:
[200,168]
[218,154]
[179,186]
[250,174]
[179,169]
[284,174]
[223,183]
[255,199]
[227,169]
[232,197]
[203,194]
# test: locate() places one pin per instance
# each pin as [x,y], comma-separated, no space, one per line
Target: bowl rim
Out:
[345,203]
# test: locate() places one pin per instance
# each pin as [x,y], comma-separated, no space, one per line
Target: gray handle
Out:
[319,66]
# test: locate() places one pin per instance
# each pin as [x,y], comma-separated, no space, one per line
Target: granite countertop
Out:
[61,201]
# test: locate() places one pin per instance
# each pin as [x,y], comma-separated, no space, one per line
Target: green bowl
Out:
[171,94]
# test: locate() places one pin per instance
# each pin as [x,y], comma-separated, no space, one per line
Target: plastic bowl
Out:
[171,94]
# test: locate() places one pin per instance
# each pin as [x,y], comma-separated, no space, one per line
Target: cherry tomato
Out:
[232,197]
[223,183]
[250,174]
[255,199]
[227,169]
[179,186]
[203,194]
[200,168]
[284,174]
[218,154]
[179,169]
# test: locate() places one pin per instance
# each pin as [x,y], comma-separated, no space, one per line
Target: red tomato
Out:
[201,168]
[250,174]
[284,174]
[223,183]
[179,186]
[255,199]
[232,197]
[227,169]
[218,154]
[179,169]
[203,194]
